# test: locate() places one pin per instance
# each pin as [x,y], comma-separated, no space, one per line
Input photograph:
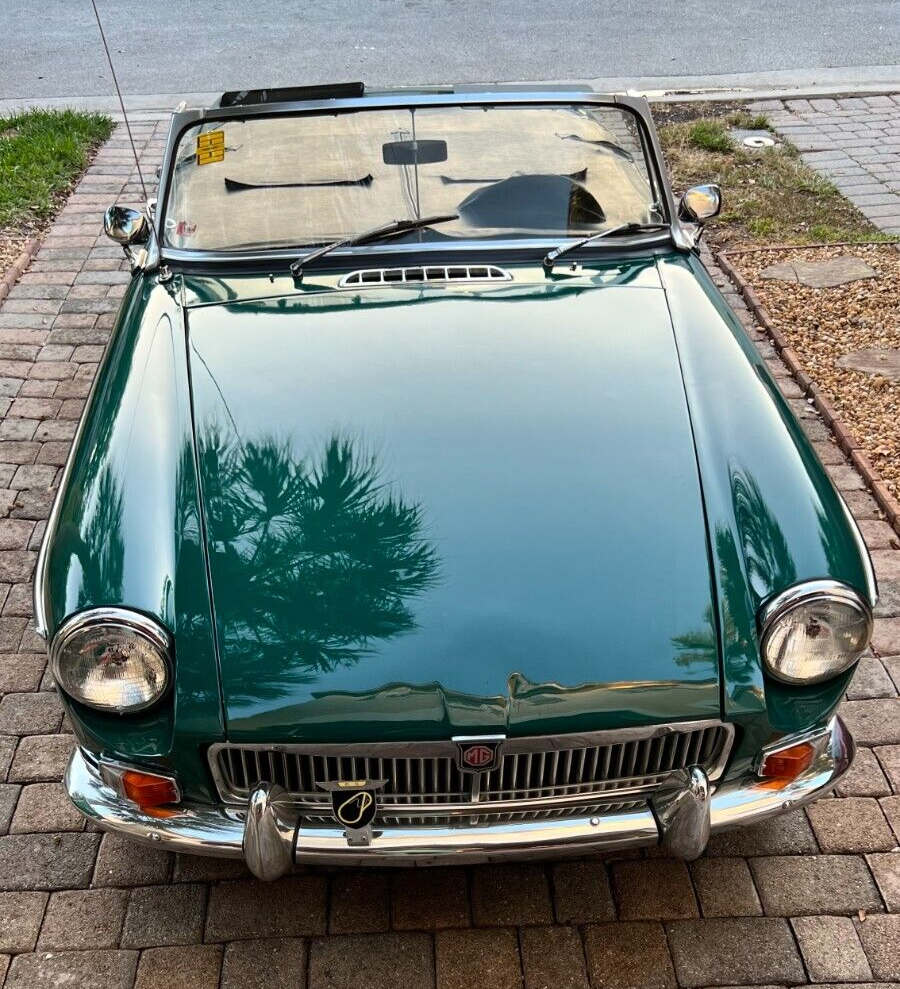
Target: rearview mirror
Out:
[701,203]
[413,152]
[125,225]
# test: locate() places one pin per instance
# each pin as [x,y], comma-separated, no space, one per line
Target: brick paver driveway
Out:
[809,897]
[853,142]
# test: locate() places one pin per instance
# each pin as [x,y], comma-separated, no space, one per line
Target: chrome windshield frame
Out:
[638,106]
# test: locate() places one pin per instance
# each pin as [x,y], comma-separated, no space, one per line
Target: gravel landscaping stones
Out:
[828,328]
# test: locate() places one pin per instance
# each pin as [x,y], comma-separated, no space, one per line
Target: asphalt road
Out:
[50,48]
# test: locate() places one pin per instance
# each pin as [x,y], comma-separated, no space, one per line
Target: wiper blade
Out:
[558,252]
[376,233]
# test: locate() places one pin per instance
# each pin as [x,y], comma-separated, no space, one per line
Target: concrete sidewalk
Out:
[812,897]
[853,142]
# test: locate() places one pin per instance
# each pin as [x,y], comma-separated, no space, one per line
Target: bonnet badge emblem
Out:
[354,803]
[478,753]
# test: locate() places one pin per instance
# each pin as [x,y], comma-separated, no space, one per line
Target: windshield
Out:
[509,171]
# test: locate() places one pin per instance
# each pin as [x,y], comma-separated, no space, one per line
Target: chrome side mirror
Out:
[701,203]
[125,225]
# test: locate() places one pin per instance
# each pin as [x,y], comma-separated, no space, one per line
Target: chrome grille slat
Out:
[536,779]
[419,274]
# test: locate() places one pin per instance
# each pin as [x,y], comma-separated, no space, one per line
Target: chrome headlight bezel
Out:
[809,592]
[121,620]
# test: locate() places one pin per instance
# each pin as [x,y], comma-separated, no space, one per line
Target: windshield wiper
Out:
[558,252]
[376,233]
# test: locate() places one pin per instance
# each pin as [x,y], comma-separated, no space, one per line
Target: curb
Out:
[845,439]
[19,266]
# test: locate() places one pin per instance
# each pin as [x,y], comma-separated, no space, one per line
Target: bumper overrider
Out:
[271,837]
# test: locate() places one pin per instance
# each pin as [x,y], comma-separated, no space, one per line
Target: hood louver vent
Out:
[425,273]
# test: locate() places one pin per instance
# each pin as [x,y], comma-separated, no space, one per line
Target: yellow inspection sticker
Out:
[211,147]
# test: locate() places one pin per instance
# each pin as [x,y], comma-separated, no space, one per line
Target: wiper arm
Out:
[558,252]
[376,233]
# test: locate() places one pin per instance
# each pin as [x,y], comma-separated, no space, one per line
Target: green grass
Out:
[743,120]
[769,196]
[41,153]
[709,135]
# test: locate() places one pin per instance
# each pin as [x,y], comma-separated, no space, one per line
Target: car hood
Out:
[439,511]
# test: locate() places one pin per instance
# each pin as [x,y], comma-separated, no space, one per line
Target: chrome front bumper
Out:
[681,817]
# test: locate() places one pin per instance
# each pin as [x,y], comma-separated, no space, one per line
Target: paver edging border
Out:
[19,266]
[845,439]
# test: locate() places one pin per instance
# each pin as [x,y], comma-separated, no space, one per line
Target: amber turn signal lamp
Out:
[788,763]
[148,790]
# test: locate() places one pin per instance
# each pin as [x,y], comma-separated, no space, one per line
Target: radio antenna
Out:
[112,69]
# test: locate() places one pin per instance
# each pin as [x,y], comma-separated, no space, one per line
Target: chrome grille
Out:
[534,774]
[375,277]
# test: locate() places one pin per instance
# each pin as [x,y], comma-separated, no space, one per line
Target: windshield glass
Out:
[509,171]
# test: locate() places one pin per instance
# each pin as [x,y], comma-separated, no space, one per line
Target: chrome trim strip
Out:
[824,589]
[431,274]
[206,830]
[477,247]
[511,746]
[481,807]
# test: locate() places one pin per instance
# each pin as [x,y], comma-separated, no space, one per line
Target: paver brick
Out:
[206,869]
[273,963]
[9,796]
[78,919]
[873,722]
[553,958]
[852,825]
[81,969]
[880,937]
[30,714]
[196,966]
[886,871]
[870,680]
[725,888]
[891,808]
[45,807]
[372,961]
[581,892]
[788,834]
[164,915]
[831,949]
[40,758]
[628,956]
[359,903]
[865,778]
[734,951]
[429,899]
[464,959]
[504,895]
[654,889]
[291,907]
[793,886]
[124,863]
[20,920]
[21,672]
[44,861]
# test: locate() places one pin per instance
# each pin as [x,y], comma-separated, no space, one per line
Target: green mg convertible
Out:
[432,506]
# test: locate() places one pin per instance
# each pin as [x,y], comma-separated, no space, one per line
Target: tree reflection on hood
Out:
[313,559]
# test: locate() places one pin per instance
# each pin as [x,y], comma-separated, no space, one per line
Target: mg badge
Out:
[479,753]
[354,803]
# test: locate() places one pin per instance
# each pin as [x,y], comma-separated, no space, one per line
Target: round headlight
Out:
[112,659]
[814,631]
